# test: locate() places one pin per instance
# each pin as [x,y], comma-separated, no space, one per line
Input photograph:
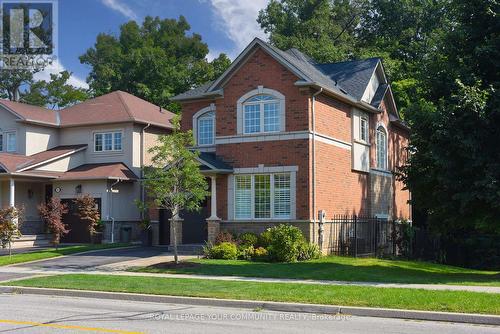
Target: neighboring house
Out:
[282,137]
[96,147]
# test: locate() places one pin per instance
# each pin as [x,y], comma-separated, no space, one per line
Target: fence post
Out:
[321,216]
[355,236]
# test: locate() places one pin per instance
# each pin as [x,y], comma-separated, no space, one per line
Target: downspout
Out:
[313,111]
[111,210]
[143,192]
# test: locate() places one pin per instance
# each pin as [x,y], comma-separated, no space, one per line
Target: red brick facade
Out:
[339,188]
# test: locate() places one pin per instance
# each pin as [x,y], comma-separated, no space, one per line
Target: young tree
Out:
[10,220]
[88,211]
[52,213]
[174,181]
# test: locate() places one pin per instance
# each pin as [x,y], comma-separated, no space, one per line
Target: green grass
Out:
[52,252]
[417,299]
[339,268]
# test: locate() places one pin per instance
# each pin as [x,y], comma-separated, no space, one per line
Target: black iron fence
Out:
[359,236]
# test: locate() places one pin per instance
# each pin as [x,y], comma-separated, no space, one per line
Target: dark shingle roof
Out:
[352,76]
[211,161]
[349,78]
[379,95]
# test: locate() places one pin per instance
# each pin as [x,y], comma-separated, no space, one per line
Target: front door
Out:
[78,231]
[194,225]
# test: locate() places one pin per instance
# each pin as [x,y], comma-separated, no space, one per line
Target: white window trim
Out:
[386,167]
[260,90]
[5,139]
[367,119]
[113,138]
[261,170]
[197,115]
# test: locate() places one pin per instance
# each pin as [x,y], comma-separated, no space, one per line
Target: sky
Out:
[225,25]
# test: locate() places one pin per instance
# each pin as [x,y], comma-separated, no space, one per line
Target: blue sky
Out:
[225,25]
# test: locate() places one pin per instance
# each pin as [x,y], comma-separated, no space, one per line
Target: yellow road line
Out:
[80,328]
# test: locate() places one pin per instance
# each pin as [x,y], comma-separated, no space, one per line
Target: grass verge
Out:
[337,268]
[52,252]
[416,299]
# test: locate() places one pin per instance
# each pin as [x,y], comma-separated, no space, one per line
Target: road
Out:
[42,314]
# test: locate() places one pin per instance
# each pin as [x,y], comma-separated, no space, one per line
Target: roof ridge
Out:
[127,109]
[349,61]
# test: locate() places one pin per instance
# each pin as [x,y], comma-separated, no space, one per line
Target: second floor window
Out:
[261,113]
[11,142]
[108,141]
[1,142]
[381,148]
[206,128]
[363,129]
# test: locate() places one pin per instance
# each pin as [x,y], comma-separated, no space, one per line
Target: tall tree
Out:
[323,29]
[56,93]
[11,82]
[154,61]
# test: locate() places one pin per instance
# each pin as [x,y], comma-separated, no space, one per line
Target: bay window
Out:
[263,196]
[108,141]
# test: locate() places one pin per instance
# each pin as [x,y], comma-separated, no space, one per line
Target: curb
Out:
[271,306]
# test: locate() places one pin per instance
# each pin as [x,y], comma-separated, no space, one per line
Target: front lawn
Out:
[337,268]
[52,252]
[416,299]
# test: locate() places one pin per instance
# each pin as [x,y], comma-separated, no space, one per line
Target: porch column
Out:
[12,193]
[213,199]
[213,222]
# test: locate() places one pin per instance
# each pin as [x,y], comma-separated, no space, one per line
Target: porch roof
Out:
[211,163]
[102,171]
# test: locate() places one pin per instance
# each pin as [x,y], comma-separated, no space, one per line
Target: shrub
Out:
[246,252]
[224,237]
[52,213]
[308,251]
[223,251]
[264,239]
[260,253]
[285,243]
[247,239]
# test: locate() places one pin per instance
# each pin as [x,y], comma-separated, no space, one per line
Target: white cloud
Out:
[56,68]
[121,8]
[238,19]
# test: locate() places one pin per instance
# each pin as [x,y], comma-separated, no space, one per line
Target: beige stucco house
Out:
[96,147]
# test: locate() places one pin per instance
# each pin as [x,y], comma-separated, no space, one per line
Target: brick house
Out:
[282,137]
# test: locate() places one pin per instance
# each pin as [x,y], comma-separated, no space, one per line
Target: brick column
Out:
[178,225]
[213,227]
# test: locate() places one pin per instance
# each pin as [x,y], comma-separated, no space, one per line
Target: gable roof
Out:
[347,80]
[115,107]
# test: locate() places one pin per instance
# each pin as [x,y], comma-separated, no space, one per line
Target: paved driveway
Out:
[87,261]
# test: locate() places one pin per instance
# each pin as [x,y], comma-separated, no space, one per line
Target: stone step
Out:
[34,240]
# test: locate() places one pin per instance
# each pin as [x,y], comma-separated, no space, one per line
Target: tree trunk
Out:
[173,224]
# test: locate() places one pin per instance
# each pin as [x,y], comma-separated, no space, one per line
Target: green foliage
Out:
[154,61]
[285,243]
[308,251]
[264,239]
[56,93]
[246,252]
[403,236]
[10,221]
[223,251]
[247,239]
[52,213]
[260,254]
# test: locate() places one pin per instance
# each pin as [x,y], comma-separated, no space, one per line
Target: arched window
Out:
[381,148]
[206,128]
[261,110]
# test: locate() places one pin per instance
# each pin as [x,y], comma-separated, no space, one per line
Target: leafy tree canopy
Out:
[154,61]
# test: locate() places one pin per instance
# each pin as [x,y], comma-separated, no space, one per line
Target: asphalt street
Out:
[42,314]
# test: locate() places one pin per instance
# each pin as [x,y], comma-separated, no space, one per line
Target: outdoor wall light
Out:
[78,189]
